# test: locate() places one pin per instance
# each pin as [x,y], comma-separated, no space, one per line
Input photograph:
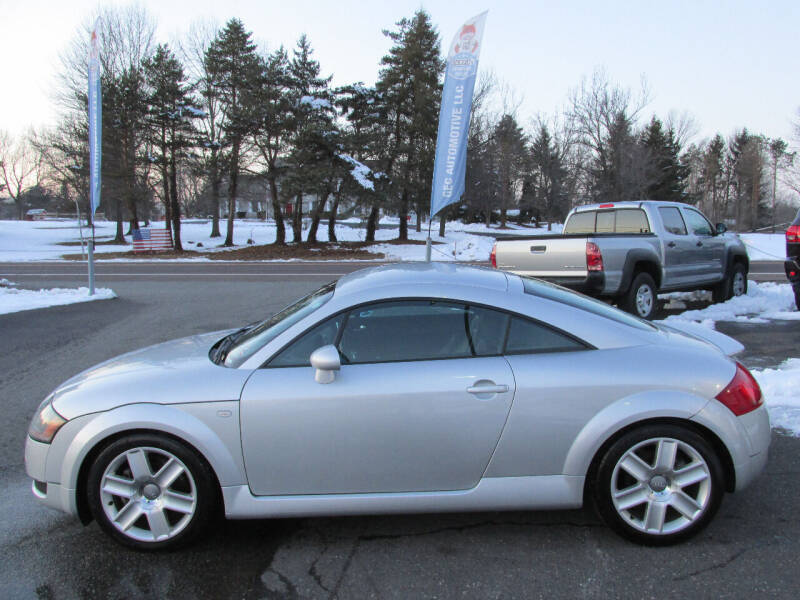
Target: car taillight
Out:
[594,258]
[793,234]
[493,256]
[742,394]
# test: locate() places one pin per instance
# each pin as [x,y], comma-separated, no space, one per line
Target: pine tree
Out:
[509,145]
[314,139]
[665,173]
[234,69]
[171,109]
[549,177]
[409,84]
[273,115]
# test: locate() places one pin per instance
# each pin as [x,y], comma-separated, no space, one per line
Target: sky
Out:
[729,64]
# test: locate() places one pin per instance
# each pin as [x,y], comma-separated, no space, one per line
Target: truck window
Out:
[632,220]
[580,222]
[697,222]
[673,221]
[605,221]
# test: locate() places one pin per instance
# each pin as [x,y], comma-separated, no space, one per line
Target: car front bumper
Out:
[49,493]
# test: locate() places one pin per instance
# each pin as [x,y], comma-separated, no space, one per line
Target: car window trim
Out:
[510,313]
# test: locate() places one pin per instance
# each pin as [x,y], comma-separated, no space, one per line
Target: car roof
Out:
[628,204]
[422,273]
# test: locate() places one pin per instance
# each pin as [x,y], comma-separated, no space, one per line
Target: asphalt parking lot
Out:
[749,550]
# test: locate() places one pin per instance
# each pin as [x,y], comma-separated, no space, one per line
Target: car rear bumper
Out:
[756,427]
[792,268]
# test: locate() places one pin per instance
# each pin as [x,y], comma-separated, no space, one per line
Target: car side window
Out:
[697,223]
[672,219]
[527,337]
[406,331]
[298,352]
[487,330]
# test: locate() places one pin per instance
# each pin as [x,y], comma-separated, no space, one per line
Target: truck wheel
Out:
[797,296]
[734,285]
[641,299]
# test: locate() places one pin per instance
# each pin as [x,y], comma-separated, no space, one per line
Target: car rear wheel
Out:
[641,298]
[659,485]
[150,492]
[732,286]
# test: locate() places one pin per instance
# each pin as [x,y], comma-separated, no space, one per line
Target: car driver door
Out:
[413,408]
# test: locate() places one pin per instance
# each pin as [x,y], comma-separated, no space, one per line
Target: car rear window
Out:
[544,289]
[620,220]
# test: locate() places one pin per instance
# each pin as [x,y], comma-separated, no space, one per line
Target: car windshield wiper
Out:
[224,346]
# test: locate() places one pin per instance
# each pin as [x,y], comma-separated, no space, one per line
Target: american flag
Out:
[149,240]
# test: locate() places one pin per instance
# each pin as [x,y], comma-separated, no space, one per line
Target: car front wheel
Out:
[150,492]
[659,484]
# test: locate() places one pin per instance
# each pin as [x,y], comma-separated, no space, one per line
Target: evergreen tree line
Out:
[184,124]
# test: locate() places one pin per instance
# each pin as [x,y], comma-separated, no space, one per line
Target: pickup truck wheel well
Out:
[633,268]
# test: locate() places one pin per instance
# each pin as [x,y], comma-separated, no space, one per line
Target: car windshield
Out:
[537,287]
[255,338]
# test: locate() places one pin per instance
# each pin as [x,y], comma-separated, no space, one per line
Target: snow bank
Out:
[762,303]
[765,246]
[781,389]
[15,300]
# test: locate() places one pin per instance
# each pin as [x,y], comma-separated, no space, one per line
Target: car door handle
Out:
[488,389]
[671,244]
[699,243]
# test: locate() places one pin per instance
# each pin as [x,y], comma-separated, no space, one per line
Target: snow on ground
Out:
[41,240]
[765,246]
[781,389]
[762,303]
[15,300]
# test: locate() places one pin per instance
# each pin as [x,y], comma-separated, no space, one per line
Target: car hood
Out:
[174,372]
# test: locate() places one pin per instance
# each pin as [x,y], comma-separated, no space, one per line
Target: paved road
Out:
[749,549]
[64,271]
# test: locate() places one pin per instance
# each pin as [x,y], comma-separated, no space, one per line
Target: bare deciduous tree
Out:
[19,168]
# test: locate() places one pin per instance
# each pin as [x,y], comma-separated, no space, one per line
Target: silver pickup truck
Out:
[630,252]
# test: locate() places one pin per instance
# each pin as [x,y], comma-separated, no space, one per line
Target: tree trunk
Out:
[372,223]
[418,225]
[297,219]
[120,237]
[176,208]
[332,218]
[280,228]
[315,217]
[403,234]
[234,180]
[214,195]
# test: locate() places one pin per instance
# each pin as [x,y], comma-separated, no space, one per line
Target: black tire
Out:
[641,299]
[733,285]
[796,289]
[692,456]
[194,481]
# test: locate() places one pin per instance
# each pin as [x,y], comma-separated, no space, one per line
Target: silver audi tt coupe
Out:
[407,388]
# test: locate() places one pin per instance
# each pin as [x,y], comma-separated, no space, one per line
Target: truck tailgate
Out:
[545,257]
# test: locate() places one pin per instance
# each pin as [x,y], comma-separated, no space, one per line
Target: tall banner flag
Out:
[95,123]
[451,141]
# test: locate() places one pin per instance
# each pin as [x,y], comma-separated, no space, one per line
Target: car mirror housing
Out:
[326,361]
[721,228]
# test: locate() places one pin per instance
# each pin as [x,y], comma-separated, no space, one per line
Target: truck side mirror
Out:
[326,361]
[721,228]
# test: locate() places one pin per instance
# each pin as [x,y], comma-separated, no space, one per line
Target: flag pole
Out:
[95,108]
[428,241]
[91,262]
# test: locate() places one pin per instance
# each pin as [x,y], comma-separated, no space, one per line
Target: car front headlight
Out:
[46,422]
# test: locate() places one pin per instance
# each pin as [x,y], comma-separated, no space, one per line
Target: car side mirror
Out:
[326,361]
[721,228]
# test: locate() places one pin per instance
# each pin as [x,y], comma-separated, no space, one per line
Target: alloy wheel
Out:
[644,300]
[661,486]
[148,494]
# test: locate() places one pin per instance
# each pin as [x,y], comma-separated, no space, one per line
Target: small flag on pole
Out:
[152,240]
[451,142]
